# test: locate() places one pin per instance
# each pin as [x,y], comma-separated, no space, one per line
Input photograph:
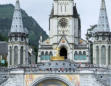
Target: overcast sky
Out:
[40,10]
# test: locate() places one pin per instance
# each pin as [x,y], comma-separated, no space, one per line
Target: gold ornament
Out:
[57,57]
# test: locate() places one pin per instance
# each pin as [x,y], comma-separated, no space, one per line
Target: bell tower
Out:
[65,35]
[18,40]
[64,20]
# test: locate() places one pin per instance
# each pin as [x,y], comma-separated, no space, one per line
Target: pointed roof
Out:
[17,23]
[75,12]
[103,23]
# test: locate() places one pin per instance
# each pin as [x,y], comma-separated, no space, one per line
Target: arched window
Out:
[109,55]
[16,38]
[15,55]
[42,53]
[103,55]
[47,57]
[10,56]
[50,54]
[84,52]
[75,53]
[97,55]
[22,38]
[80,53]
[46,53]
[61,8]
[21,55]
[65,8]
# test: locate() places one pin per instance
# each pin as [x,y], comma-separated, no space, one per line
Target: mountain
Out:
[35,31]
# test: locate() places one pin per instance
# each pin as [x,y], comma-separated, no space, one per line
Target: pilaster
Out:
[12,55]
[19,54]
[100,55]
[107,55]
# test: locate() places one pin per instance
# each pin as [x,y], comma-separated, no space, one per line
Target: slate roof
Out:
[103,23]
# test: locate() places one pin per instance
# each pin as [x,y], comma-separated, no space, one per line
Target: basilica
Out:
[65,58]
[65,34]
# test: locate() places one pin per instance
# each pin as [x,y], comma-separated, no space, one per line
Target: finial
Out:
[17,1]
[103,4]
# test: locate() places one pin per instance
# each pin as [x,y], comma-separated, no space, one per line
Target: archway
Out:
[51,80]
[63,52]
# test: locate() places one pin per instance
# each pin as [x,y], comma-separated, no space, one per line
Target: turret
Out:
[102,39]
[18,39]
[103,23]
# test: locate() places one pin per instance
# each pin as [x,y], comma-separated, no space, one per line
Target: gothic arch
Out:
[47,57]
[84,52]
[63,51]
[76,53]
[51,77]
[21,55]
[97,55]
[46,53]
[51,54]
[42,53]
[80,52]
[15,55]
[103,55]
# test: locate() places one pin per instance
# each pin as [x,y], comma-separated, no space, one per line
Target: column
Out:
[12,55]
[24,56]
[100,55]
[94,54]
[107,55]
[19,54]
[110,54]
[8,57]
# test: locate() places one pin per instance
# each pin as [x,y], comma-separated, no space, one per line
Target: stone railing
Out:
[59,67]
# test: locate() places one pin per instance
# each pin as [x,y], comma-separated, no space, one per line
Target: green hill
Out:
[6,14]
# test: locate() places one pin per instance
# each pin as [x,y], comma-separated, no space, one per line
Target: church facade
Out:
[64,59]
[65,34]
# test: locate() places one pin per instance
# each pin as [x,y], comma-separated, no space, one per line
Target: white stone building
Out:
[18,39]
[102,39]
[65,34]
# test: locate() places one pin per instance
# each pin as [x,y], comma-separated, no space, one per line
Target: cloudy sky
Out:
[40,10]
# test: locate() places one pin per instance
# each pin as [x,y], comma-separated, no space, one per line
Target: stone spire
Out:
[17,23]
[103,23]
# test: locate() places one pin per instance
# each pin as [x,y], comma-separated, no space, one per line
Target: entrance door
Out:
[63,52]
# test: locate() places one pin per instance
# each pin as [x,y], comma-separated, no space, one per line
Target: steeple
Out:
[103,23]
[17,23]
